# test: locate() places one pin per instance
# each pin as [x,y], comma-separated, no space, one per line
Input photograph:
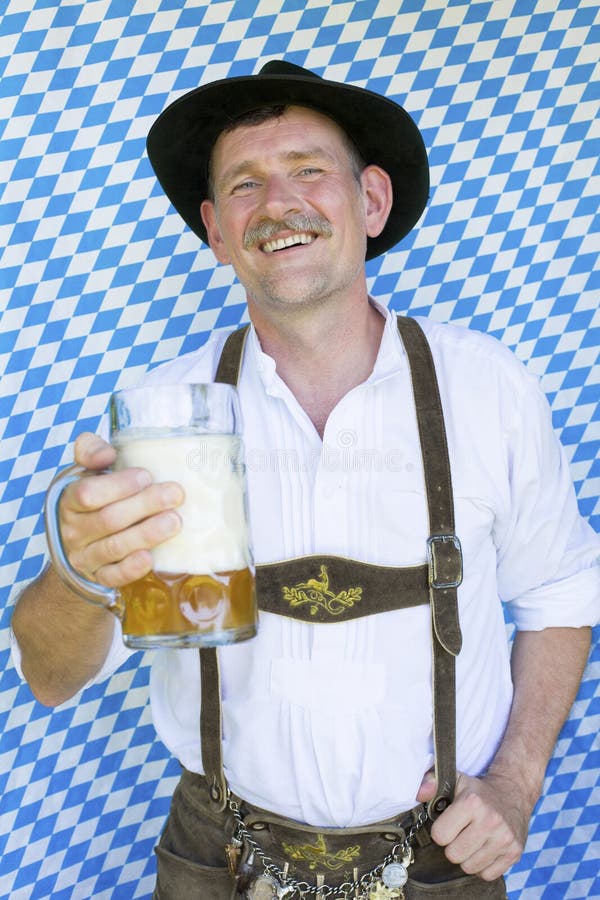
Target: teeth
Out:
[291,241]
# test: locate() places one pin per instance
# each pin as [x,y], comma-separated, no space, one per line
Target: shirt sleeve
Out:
[548,555]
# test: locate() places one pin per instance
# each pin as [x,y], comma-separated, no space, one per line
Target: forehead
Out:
[297,126]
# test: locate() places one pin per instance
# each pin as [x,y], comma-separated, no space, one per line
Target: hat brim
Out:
[181,140]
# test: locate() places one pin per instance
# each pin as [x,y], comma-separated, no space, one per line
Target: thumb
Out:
[92,452]
[428,787]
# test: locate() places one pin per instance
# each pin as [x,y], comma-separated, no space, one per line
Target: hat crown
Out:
[281,67]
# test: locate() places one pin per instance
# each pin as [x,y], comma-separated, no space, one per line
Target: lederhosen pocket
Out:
[432,875]
[191,860]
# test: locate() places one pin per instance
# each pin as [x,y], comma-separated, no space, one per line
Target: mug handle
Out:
[89,590]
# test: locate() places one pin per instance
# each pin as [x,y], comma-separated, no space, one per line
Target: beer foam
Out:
[214,536]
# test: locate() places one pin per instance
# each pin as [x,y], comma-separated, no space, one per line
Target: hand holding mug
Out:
[109,523]
[175,579]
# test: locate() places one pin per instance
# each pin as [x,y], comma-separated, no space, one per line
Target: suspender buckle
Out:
[444,559]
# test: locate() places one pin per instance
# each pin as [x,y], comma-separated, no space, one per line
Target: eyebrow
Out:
[247,165]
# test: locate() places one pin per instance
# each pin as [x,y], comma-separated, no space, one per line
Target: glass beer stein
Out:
[201,591]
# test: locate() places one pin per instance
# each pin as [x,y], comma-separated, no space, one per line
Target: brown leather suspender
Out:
[444,558]
[381,588]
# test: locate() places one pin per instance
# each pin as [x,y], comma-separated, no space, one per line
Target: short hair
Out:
[264,114]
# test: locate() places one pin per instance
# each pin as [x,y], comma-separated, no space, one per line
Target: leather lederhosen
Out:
[382,588]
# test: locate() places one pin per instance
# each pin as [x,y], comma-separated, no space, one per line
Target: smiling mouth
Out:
[293,240]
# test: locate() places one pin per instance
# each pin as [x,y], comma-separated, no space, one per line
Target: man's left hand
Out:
[485,828]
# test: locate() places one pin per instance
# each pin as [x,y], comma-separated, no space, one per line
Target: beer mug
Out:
[201,591]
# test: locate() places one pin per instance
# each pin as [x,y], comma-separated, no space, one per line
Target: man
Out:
[336,773]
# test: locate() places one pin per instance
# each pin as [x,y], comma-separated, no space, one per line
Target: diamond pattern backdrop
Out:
[99,280]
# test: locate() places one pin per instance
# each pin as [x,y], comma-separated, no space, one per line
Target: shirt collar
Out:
[265,364]
[391,357]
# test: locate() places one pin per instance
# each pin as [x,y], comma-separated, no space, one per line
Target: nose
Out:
[279,197]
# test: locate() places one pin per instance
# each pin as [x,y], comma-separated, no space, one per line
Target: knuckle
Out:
[109,577]
[496,822]
[87,444]
[80,445]
[486,875]
[452,855]
[68,535]
[76,560]
[113,547]
[474,802]
[83,493]
[68,501]
[515,852]
[468,868]
[129,569]
[109,520]
[506,836]
[133,567]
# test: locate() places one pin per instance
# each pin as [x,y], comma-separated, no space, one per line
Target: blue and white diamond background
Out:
[100,280]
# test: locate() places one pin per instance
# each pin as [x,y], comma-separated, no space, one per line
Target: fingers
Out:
[119,512]
[95,492]
[109,522]
[480,830]
[481,844]
[106,505]
[478,864]
[124,556]
[127,556]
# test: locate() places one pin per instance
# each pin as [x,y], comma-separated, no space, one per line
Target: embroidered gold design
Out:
[318,855]
[316,593]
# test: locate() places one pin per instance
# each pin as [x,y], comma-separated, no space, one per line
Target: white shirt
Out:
[331,724]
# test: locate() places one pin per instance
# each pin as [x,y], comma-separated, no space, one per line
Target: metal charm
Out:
[233,852]
[263,888]
[379,891]
[245,872]
[408,857]
[394,875]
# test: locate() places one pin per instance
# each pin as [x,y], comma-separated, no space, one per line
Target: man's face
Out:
[289,213]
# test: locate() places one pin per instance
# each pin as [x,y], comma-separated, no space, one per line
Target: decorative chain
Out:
[289,887]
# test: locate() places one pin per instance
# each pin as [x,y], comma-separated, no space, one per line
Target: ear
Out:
[378,194]
[215,238]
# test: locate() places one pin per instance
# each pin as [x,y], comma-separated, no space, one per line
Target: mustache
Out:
[267,229]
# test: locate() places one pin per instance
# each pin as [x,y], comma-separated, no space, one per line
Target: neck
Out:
[322,354]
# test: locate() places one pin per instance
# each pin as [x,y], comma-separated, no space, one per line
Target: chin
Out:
[311,291]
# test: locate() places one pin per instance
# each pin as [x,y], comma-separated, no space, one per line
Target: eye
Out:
[309,170]
[244,186]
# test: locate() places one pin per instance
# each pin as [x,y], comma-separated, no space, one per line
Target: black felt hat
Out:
[180,141]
